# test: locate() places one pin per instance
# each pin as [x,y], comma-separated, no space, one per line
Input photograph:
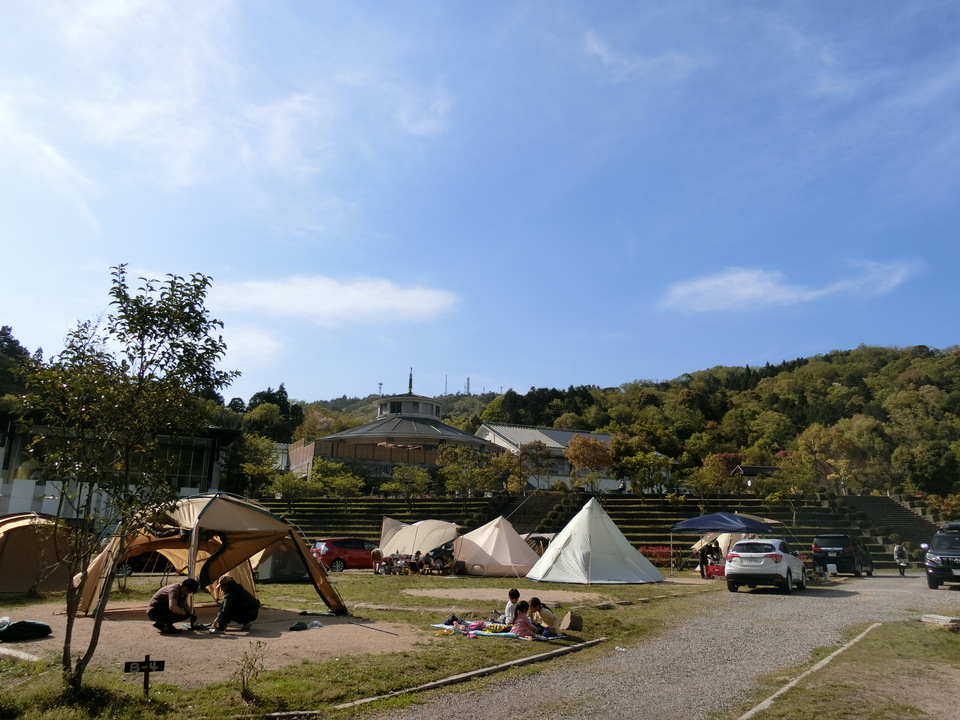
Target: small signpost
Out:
[145,666]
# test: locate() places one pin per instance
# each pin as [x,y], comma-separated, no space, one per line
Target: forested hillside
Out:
[873,418]
[870,418]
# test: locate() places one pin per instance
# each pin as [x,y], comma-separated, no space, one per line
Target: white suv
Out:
[764,562]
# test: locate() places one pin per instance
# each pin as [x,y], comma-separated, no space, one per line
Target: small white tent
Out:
[592,550]
[399,537]
[495,550]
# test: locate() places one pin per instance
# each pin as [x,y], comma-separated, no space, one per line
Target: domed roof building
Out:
[407,431]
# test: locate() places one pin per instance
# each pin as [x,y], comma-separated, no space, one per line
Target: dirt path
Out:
[127,635]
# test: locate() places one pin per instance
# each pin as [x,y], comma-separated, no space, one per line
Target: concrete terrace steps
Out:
[363,517]
[886,512]
[526,513]
[647,521]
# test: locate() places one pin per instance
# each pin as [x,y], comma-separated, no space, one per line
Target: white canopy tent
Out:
[406,539]
[494,550]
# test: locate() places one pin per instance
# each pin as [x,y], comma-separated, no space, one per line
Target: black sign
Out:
[143,666]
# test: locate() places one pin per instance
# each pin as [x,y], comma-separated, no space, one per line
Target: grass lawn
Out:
[622,613]
[897,671]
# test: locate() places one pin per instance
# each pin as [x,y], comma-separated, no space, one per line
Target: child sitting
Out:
[522,627]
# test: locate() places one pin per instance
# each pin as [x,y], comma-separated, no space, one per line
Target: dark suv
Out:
[847,552]
[943,557]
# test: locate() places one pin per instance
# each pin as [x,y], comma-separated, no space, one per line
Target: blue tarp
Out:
[720,522]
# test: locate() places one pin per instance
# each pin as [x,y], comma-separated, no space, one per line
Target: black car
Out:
[847,552]
[148,562]
[943,557]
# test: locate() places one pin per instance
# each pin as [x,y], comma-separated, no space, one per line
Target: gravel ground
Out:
[681,673]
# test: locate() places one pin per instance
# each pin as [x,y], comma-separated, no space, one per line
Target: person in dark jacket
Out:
[171,604]
[237,606]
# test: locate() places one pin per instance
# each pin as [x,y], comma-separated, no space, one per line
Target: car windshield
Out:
[832,541]
[753,547]
[949,541]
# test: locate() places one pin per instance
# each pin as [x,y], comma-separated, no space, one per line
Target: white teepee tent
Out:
[592,550]
[496,550]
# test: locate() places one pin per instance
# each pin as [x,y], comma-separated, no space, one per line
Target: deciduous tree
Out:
[100,409]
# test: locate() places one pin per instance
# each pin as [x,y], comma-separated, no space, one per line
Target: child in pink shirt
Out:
[522,627]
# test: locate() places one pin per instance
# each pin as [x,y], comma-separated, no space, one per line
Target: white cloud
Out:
[748,288]
[41,161]
[329,302]
[623,66]
[251,347]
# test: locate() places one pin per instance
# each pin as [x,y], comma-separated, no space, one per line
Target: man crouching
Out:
[237,606]
[171,604]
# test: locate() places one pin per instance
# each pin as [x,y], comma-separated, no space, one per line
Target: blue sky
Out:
[520,193]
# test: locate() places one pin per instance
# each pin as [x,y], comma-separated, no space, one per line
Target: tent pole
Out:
[671,553]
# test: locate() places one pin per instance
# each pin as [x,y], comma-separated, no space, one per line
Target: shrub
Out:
[659,555]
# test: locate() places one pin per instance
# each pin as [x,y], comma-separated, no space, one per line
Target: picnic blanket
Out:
[483,632]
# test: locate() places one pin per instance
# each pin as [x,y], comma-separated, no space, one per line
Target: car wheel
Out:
[802,582]
[338,565]
[788,583]
[858,569]
[870,571]
[732,587]
[125,570]
[932,583]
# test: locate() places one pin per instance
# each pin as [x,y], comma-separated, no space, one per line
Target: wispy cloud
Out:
[43,162]
[329,302]
[625,66]
[747,288]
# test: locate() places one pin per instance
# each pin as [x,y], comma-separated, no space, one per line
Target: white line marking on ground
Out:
[17,655]
[769,701]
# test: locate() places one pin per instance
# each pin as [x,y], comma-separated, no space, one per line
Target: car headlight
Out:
[934,559]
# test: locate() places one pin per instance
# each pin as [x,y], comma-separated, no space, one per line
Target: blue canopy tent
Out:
[720,522]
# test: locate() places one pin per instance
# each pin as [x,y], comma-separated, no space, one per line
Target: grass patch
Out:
[900,670]
[625,614]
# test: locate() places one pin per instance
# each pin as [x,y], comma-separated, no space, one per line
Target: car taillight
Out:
[849,548]
[776,557]
[732,555]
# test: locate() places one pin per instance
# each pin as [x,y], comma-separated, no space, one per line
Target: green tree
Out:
[646,471]
[536,461]
[266,420]
[291,413]
[336,479]
[466,471]
[291,488]
[407,481]
[100,409]
[250,465]
[12,356]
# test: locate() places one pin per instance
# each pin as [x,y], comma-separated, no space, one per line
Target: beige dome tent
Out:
[205,536]
[405,539]
[591,550]
[495,550]
[29,557]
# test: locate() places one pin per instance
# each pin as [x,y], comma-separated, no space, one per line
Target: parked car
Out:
[344,553]
[148,562]
[847,552]
[764,562]
[943,557]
